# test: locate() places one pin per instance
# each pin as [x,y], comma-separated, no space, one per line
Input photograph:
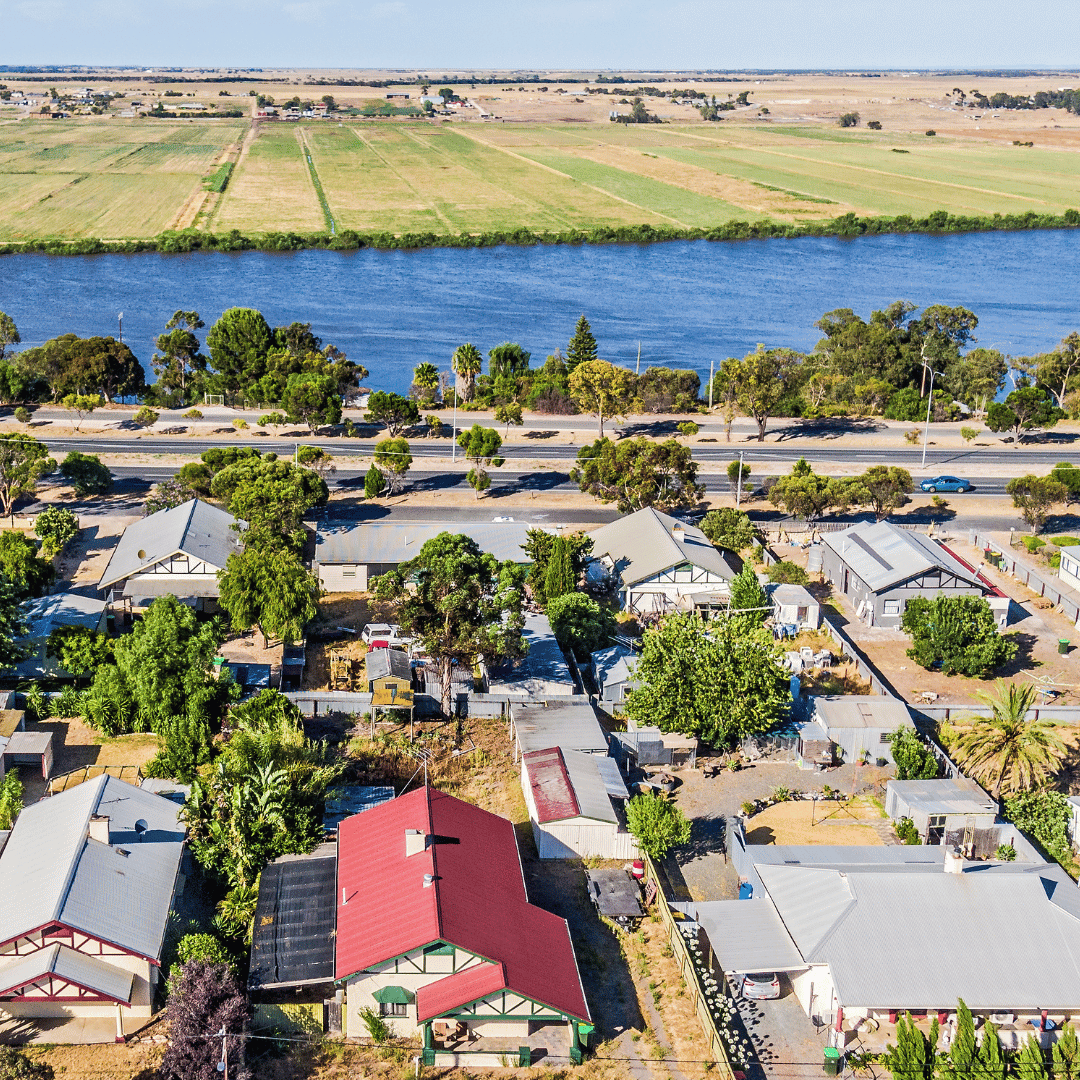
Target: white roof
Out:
[198,529]
[949,795]
[46,613]
[120,892]
[748,935]
[883,555]
[571,727]
[387,544]
[836,711]
[615,664]
[646,543]
[543,670]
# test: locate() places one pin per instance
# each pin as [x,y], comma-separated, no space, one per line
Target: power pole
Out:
[712,364]
[121,318]
[738,490]
[638,370]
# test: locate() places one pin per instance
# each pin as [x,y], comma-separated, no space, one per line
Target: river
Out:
[685,303]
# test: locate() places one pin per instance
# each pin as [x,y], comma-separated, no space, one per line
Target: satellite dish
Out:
[141,827]
[142,554]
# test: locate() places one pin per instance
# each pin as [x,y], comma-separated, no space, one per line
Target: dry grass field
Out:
[547,159]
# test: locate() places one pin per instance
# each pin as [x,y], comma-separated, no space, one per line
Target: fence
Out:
[1023,573]
[865,669]
[691,976]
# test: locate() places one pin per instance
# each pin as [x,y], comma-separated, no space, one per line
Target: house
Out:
[853,727]
[613,673]
[436,934]
[571,726]
[178,551]
[541,673]
[852,927]
[943,811]
[794,605]
[575,803]
[1069,569]
[88,877]
[655,560]
[49,613]
[879,568]
[347,557]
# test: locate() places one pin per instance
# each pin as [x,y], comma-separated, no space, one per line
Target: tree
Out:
[392,458]
[22,461]
[884,488]
[86,474]
[509,414]
[786,572]
[807,495]
[78,650]
[81,405]
[312,399]
[1025,409]
[11,803]
[1005,750]
[749,601]
[392,411]
[761,380]
[239,342]
[580,624]
[83,366]
[272,496]
[582,348]
[425,385]
[167,494]
[560,577]
[315,458]
[1065,472]
[9,334]
[266,585]
[460,603]
[737,473]
[20,565]
[1058,372]
[1029,1062]
[849,119]
[914,1057]
[956,634]
[976,377]
[1067,1055]
[966,1058]
[481,446]
[206,999]
[374,482]
[1035,496]
[145,417]
[914,759]
[941,332]
[602,390]
[508,360]
[467,364]
[540,547]
[728,529]
[657,823]
[712,680]
[635,473]
[179,364]
[55,527]
[1045,817]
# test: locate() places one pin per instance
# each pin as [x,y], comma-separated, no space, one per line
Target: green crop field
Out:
[117,179]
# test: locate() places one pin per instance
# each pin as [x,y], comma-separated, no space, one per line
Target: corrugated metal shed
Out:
[344,800]
[861,711]
[542,672]
[549,783]
[385,544]
[293,938]
[748,935]
[86,971]
[121,892]
[385,663]
[573,727]
[949,795]
[198,529]
[612,778]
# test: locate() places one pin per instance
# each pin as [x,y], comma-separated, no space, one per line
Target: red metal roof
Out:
[994,590]
[476,900]
[466,986]
[553,794]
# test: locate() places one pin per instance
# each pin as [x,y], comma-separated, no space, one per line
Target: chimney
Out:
[415,842]
[99,828]
[677,531]
[954,861]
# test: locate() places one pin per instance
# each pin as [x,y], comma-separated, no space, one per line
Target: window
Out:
[892,607]
[884,737]
[393,1008]
[348,571]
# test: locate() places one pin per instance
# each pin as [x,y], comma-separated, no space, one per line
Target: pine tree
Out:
[913,1057]
[582,347]
[373,483]
[1067,1055]
[748,595]
[559,579]
[1030,1063]
[991,1060]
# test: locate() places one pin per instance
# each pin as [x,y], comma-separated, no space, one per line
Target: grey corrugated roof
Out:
[615,664]
[642,545]
[810,901]
[86,971]
[573,727]
[383,662]
[384,543]
[883,555]
[50,871]
[46,613]
[200,530]
[790,595]
[613,779]
[955,795]
[590,790]
[748,935]
[542,671]
[861,711]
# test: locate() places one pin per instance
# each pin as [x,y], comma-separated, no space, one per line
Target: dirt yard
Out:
[803,821]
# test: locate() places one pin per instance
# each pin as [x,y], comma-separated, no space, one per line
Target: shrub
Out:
[657,823]
[788,573]
[239,424]
[1005,852]
[11,800]
[193,414]
[906,831]
[23,415]
[781,794]
[37,704]
[1064,541]
[69,703]
[55,527]
[849,120]
[145,417]
[86,474]
[748,808]
[15,1064]
[1044,816]
[912,437]
[1032,543]
[969,433]
[377,1028]
[204,947]
[580,624]
[688,427]
[874,125]
[931,132]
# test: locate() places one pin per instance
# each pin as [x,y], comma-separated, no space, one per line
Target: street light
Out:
[929,406]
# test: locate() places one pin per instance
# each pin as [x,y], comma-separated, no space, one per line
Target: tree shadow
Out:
[829,427]
[1024,659]
[538,481]
[1055,437]
[545,434]
[656,428]
[924,515]
[1066,522]
[350,511]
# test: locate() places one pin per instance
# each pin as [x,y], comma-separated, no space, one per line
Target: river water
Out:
[685,303]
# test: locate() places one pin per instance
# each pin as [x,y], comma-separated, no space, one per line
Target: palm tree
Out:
[468,363]
[1005,750]
[426,376]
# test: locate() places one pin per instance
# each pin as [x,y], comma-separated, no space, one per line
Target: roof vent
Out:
[140,828]
[415,842]
[99,828]
[141,554]
[123,851]
[954,861]
[429,880]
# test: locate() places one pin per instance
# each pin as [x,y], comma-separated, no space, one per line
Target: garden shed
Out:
[860,724]
[940,807]
[613,672]
[794,605]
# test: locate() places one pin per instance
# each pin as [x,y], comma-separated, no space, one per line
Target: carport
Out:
[747,936]
[29,748]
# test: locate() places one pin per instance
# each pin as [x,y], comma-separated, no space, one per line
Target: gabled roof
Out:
[195,528]
[77,968]
[569,784]
[838,711]
[459,989]
[46,613]
[647,542]
[382,663]
[614,664]
[573,727]
[542,672]
[465,888]
[948,795]
[120,892]
[883,555]
[383,543]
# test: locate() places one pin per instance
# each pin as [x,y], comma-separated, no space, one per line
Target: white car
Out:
[761,986]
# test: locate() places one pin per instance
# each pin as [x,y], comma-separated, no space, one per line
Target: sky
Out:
[544,34]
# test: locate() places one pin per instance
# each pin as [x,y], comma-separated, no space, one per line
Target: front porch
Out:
[454,1043]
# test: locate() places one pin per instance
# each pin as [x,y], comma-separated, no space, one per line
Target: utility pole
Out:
[121,318]
[712,365]
[638,370]
[929,406]
[453,449]
[738,490]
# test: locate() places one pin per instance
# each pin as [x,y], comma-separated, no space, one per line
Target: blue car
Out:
[946,483]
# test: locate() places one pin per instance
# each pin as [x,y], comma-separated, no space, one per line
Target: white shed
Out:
[572,799]
[794,605]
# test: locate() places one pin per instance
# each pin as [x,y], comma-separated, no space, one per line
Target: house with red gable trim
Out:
[435,930]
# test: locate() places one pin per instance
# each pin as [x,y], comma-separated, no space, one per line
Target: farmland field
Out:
[120,179]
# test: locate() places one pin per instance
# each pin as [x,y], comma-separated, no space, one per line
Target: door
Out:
[845,580]
[935,829]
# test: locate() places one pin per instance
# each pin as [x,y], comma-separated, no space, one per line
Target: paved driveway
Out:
[786,1044]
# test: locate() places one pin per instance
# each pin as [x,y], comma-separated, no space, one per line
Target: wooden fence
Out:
[863,666]
[1023,573]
